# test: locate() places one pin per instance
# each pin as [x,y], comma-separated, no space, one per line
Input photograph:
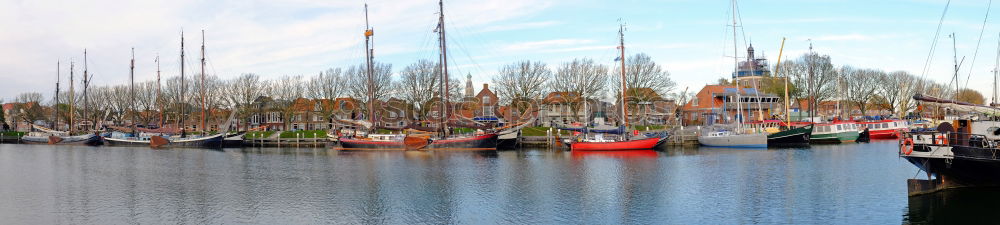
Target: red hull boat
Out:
[648,143]
[885,129]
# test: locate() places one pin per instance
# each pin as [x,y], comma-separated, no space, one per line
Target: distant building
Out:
[725,103]
[750,72]
[468,86]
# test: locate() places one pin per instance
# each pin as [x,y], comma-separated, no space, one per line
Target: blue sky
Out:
[689,38]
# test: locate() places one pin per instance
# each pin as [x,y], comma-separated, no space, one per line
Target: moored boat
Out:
[731,139]
[45,138]
[404,142]
[797,136]
[837,132]
[156,141]
[613,145]
[884,129]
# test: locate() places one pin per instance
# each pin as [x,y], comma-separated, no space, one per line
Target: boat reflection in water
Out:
[615,154]
[956,206]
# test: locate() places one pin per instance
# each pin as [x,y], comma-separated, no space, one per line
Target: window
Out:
[486,100]
[839,127]
[694,102]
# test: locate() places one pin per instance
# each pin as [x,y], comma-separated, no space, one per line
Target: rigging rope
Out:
[937,34]
[976,52]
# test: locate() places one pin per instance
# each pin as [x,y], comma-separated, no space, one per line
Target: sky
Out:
[692,39]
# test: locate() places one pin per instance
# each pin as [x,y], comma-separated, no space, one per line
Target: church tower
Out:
[468,86]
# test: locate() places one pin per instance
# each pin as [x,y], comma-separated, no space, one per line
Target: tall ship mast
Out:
[444,70]
[202,85]
[181,100]
[86,85]
[55,123]
[486,141]
[624,143]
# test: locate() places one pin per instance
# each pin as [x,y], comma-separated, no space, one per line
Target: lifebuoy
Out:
[907,147]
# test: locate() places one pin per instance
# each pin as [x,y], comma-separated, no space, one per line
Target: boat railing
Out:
[936,138]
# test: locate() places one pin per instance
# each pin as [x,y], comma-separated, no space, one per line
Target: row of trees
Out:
[866,89]
[418,84]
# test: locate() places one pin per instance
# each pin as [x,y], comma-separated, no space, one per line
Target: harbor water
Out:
[823,184]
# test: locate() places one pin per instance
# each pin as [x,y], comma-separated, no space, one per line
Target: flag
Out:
[618,59]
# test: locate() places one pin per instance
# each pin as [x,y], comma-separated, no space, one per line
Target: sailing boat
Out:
[162,140]
[740,137]
[598,142]
[784,134]
[54,137]
[419,141]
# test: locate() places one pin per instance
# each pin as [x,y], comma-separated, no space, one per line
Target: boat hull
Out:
[648,143]
[87,139]
[735,141]
[358,144]
[834,138]
[793,137]
[883,134]
[507,141]
[481,142]
[214,141]
[961,171]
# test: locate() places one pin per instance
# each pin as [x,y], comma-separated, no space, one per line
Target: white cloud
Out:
[544,45]
[266,37]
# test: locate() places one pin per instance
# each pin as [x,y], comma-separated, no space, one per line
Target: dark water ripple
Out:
[830,184]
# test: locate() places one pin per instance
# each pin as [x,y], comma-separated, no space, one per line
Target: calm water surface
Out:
[826,184]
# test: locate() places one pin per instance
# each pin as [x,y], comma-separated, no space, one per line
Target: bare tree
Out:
[27,107]
[327,85]
[418,84]
[380,88]
[286,91]
[860,85]
[646,82]
[582,77]
[815,74]
[522,81]
[242,92]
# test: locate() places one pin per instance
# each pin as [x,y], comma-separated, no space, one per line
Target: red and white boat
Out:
[622,143]
[599,144]
[885,129]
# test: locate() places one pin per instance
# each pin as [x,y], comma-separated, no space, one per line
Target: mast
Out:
[781,50]
[954,51]
[72,99]
[202,88]
[812,99]
[369,58]
[996,70]
[444,69]
[86,84]
[131,87]
[55,123]
[158,102]
[621,47]
[736,71]
[180,97]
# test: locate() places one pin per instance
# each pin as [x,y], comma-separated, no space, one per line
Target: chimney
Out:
[486,86]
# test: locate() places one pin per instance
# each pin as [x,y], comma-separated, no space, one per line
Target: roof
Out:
[561,97]
[644,94]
